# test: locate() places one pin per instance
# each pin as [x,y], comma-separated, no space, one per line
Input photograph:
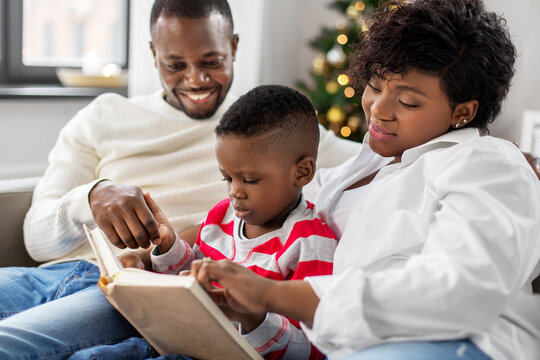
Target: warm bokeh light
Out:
[318,64]
[352,12]
[335,115]
[345,131]
[342,39]
[360,6]
[343,79]
[354,122]
[332,87]
[349,92]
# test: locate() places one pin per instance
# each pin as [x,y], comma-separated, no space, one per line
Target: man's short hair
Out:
[191,9]
[278,111]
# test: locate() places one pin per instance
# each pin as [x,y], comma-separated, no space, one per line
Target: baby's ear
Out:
[305,170]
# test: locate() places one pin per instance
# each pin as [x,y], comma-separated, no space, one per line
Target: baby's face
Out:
[261,184]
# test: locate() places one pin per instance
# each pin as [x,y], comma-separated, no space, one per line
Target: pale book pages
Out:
[173,313]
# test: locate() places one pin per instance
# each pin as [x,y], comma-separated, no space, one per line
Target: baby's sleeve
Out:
[178,258]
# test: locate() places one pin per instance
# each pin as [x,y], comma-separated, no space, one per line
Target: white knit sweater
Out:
[142,141]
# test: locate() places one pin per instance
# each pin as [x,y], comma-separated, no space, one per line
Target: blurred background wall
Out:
[273,48]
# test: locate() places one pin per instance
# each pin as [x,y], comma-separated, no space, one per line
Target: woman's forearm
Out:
[294,299]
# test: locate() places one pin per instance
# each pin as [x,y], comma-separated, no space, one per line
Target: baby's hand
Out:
[166,231]
[131,259]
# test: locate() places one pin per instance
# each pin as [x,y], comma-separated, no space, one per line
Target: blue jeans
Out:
[439,350]
[140,349]
[132,349]
[54,311]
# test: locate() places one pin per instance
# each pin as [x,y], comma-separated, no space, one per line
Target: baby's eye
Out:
[227,179]
[251,181]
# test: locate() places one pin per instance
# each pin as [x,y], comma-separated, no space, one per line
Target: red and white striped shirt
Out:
[303,246]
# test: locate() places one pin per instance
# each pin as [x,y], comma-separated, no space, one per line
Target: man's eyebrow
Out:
[411,89]
[206,55]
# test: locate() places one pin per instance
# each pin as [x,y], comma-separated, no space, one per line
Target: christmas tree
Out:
[339,107]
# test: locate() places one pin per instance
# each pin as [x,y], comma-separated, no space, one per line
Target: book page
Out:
[174,313]
[176,316]
[109,264]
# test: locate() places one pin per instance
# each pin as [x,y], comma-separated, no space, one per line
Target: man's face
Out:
[194,58]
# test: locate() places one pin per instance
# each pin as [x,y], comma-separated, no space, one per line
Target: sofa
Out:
[15,199]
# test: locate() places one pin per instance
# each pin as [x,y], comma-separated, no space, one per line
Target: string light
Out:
[340,24]
[343,79]
[349,92]
[342,39]
[354,122]
[318,64]
[332,87]
[345,131]
[335,115]
[352,12]
[360,6]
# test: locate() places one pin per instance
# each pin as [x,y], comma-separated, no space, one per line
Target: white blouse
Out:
[440,246]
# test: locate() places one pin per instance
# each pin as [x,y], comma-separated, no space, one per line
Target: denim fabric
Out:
[52,312]
[132,349]
[440,350]
[22,288]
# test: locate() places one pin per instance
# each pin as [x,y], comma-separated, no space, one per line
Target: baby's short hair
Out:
[278,111]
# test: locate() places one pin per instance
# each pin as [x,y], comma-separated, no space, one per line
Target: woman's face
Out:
[404,111]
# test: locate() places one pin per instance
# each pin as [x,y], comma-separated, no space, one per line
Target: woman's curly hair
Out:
[467,47]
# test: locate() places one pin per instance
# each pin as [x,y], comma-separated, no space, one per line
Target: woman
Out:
[439,222]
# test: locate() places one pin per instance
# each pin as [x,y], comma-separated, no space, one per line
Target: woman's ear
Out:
[464,113]
[305,170]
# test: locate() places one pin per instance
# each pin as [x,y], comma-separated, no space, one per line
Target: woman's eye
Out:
[373,87]
[407,105]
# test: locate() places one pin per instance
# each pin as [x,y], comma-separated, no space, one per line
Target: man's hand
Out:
[122,213]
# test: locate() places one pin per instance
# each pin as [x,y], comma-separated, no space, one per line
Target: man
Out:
[111,152]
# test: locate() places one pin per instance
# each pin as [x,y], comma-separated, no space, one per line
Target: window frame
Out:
[12,69]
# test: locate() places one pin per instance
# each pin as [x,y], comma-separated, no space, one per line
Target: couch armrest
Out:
[15,199]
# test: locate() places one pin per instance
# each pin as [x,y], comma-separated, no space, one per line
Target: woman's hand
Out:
[249,321]
[246,292]
[242,290]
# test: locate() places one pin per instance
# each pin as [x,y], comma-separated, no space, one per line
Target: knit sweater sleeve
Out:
[53,224]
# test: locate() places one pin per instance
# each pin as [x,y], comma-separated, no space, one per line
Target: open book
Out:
[173,313]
